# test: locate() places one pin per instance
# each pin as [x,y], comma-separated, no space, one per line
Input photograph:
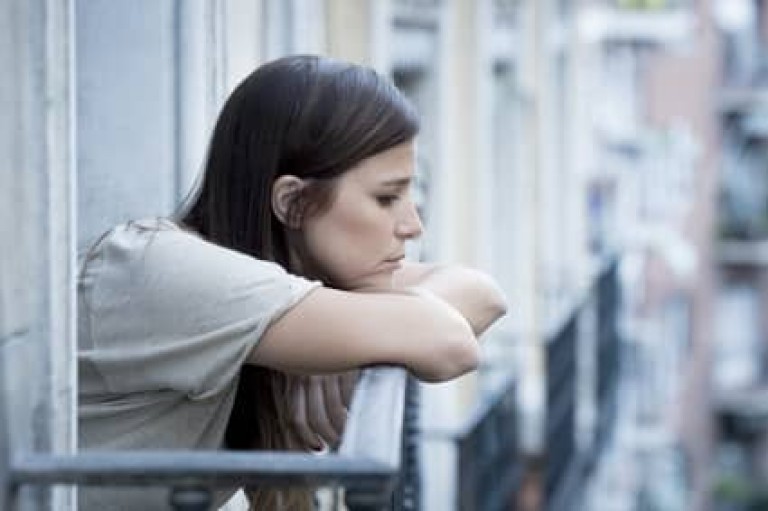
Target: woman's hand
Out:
[319,406]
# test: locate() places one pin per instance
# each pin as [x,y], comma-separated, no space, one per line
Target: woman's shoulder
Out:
[154,252]
[155,240]
[127,236]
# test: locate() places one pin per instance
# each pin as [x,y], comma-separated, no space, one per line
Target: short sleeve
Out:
[169,310]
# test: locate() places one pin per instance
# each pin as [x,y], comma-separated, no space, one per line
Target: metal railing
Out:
[489,466]
[608,358]
[567,464]
[562,461]
[367,464]
[407,494]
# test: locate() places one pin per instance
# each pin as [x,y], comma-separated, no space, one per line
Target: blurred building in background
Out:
[740,376]
[605,160]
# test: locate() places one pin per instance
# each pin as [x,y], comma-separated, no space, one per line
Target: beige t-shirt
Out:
[165,321]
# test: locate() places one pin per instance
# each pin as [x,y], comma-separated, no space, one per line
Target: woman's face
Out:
[359,241]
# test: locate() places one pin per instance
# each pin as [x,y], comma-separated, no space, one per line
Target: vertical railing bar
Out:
[565,460]
[4,452]
[408,496]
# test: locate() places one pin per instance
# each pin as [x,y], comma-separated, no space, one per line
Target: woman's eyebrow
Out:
[397,182]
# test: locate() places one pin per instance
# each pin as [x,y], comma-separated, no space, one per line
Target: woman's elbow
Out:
[497,305]
[456,366]
[455,357]
[467,358]
[494,306]
[497,302]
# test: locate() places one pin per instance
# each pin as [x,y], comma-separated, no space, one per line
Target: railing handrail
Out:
[209,468]
[375,432]
[368,458]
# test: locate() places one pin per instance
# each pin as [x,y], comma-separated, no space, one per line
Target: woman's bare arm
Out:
[333,331]
[471,292]
[429,350]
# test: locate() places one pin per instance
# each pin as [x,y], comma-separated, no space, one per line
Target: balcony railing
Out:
[562,457]
[489,466]
[568,463]
[608,357]
[375,462]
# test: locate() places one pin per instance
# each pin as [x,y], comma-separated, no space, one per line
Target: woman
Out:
[284,272]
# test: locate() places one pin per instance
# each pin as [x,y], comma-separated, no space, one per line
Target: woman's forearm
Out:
[471,292]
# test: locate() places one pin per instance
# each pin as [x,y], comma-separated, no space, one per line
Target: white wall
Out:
[126,83]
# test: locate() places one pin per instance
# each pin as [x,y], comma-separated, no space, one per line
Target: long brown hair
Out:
[308,116]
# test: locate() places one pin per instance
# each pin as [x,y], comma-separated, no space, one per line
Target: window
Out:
[738,352]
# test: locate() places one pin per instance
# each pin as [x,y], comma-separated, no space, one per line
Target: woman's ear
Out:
[285,191]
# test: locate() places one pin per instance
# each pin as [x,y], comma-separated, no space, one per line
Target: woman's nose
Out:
[409,226]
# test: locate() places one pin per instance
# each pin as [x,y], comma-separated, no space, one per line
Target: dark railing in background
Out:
[489,466]
[562,461]
[367,464]
[566,465]
[608,359]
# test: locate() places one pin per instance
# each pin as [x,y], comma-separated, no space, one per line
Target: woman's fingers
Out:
[318,412]
[320,407]
[300,416]
[348,380]
[334,403]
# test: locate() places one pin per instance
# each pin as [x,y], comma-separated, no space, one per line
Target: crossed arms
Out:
[429,322]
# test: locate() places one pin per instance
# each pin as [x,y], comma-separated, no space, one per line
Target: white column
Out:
[37,375]
[309,30]
[527,197]
[62,232]
[467,143]
[243,39]
[357,31]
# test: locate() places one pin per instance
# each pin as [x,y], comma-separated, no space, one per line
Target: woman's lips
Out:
[394,263]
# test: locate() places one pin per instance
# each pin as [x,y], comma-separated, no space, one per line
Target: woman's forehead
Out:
[393,166]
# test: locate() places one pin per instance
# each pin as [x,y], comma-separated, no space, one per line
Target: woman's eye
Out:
[386,200]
